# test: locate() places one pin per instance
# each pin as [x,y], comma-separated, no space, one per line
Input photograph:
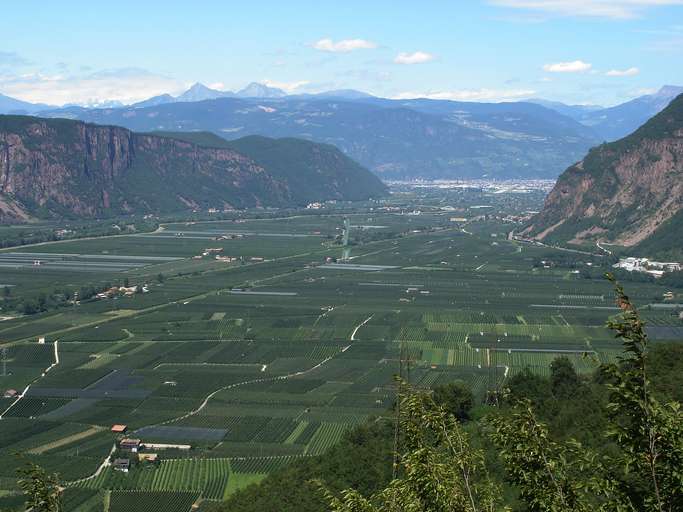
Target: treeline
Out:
[58,298]
[41,234]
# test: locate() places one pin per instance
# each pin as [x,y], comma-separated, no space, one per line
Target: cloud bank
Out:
[576,66]
[615,9]
[413,58]
[343,46]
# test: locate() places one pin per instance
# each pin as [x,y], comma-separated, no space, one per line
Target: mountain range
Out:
[396,139]
[616,122]
[628,192]
[62,168]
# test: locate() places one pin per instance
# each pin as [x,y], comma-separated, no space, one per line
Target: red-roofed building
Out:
[119,429]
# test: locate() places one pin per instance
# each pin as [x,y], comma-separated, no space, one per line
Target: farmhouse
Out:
[119,429]
[226,259]
[11,393]
[118,290]
[122,465]
[132,445]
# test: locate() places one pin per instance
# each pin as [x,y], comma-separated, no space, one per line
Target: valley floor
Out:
[270,357]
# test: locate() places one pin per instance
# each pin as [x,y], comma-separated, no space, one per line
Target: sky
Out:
[600,52]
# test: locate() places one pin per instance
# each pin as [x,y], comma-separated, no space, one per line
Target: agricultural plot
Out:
[145,501]
[253,364]
[77,262]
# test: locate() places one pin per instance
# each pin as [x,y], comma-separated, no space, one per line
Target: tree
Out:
[41,490]
[527,384]
[649,432]
[160,277]
[437,469]
[563,377]
[645,470]
[456,398]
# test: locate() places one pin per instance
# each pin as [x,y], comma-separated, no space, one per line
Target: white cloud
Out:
[285,86]
[617,9]
[623,72]
[470,95]
[343,46]
[576,66]
[413,58]
[126,85]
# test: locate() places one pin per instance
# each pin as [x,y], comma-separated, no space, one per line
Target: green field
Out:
[251,381]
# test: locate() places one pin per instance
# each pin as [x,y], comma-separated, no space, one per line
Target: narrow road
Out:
[244,383]
[603,249]
[105,463]
[353,334]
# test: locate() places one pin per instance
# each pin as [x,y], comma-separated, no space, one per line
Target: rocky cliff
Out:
[624,192]
[64,168]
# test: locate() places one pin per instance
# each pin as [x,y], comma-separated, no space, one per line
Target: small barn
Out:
[122,465]
[118,429]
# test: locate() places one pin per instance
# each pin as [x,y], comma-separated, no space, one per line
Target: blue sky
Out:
[576,51]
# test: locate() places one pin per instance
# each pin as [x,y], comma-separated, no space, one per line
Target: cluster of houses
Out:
[126,291]
[133,450]
[216,252]
[654,268]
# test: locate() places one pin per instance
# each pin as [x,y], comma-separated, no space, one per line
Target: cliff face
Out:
[623,192]
[52,167]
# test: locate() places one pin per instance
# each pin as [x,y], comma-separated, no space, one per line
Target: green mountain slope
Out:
[629,192]
[63,168]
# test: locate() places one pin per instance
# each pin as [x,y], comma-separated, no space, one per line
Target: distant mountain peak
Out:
[200,92]
[199,87]
[259,90]
[669,91]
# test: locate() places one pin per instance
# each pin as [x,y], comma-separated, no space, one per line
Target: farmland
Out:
[235,368]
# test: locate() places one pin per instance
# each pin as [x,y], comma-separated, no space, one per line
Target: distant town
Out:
[645,265]
[520,186]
